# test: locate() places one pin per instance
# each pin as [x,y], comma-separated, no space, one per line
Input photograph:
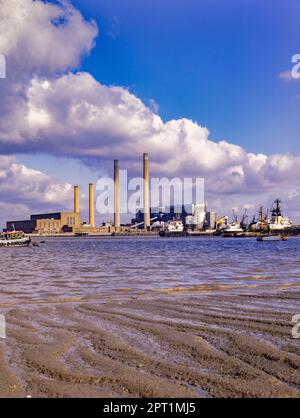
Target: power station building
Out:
[193,216]
[63,222]
[60,222]
[163,215]
[47,223]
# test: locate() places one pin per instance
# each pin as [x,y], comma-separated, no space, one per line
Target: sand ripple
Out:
[209,345]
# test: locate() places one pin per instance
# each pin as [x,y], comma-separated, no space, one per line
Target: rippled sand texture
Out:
[197,344]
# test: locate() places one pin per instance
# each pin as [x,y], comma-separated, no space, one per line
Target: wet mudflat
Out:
[177,330]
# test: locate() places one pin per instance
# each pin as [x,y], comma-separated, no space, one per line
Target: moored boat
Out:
[272,238]
[232,229]
[14,239]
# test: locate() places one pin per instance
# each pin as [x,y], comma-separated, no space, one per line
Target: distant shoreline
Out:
[148,235]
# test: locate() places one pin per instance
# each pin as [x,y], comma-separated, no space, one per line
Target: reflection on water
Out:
[87,267]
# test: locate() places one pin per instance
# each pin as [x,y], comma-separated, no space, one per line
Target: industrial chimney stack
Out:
[91,205]
[146,191]
[76,199]
[117,220]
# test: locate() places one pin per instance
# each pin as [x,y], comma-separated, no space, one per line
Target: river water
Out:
[150,317]
[95,267]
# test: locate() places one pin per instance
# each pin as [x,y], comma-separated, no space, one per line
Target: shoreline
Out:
[171,345]
[150,235]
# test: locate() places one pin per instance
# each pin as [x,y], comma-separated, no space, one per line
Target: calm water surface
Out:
[88,267]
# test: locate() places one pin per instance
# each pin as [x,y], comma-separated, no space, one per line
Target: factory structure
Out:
[61,222]
[194,219]
[71,222]
[149,220]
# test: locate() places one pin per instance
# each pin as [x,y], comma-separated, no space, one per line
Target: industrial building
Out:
[163,215]
[201,218]
[149,219]
[193,216]
[70,222]
[61,222]
[47,223]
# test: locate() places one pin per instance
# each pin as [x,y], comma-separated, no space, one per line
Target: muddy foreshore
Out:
[201,344]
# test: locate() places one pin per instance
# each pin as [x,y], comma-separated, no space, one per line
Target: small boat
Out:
[233,229]
[14,239]
[272,238]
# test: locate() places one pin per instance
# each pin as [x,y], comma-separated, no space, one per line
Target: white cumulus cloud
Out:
[23,189]
[49,106]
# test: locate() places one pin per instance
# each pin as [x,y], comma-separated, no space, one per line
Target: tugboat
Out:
[234,228]
[278,221]
[14,239]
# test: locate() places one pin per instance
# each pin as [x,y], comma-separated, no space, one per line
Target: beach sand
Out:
[173,343]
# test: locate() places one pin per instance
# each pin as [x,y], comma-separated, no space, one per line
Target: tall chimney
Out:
[117,220]
[76,199]
[91,205]
[146,191]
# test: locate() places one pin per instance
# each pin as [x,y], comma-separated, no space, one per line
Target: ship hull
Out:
[172,234]
[207,233]
[269,238]
[22,242]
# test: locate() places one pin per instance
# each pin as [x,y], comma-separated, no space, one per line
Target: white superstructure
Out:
[198,217]
[278,221]
[233,227]
[175,226]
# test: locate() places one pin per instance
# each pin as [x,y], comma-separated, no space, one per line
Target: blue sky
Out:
[214,62]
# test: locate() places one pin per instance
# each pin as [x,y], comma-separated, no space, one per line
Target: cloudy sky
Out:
[203,86]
